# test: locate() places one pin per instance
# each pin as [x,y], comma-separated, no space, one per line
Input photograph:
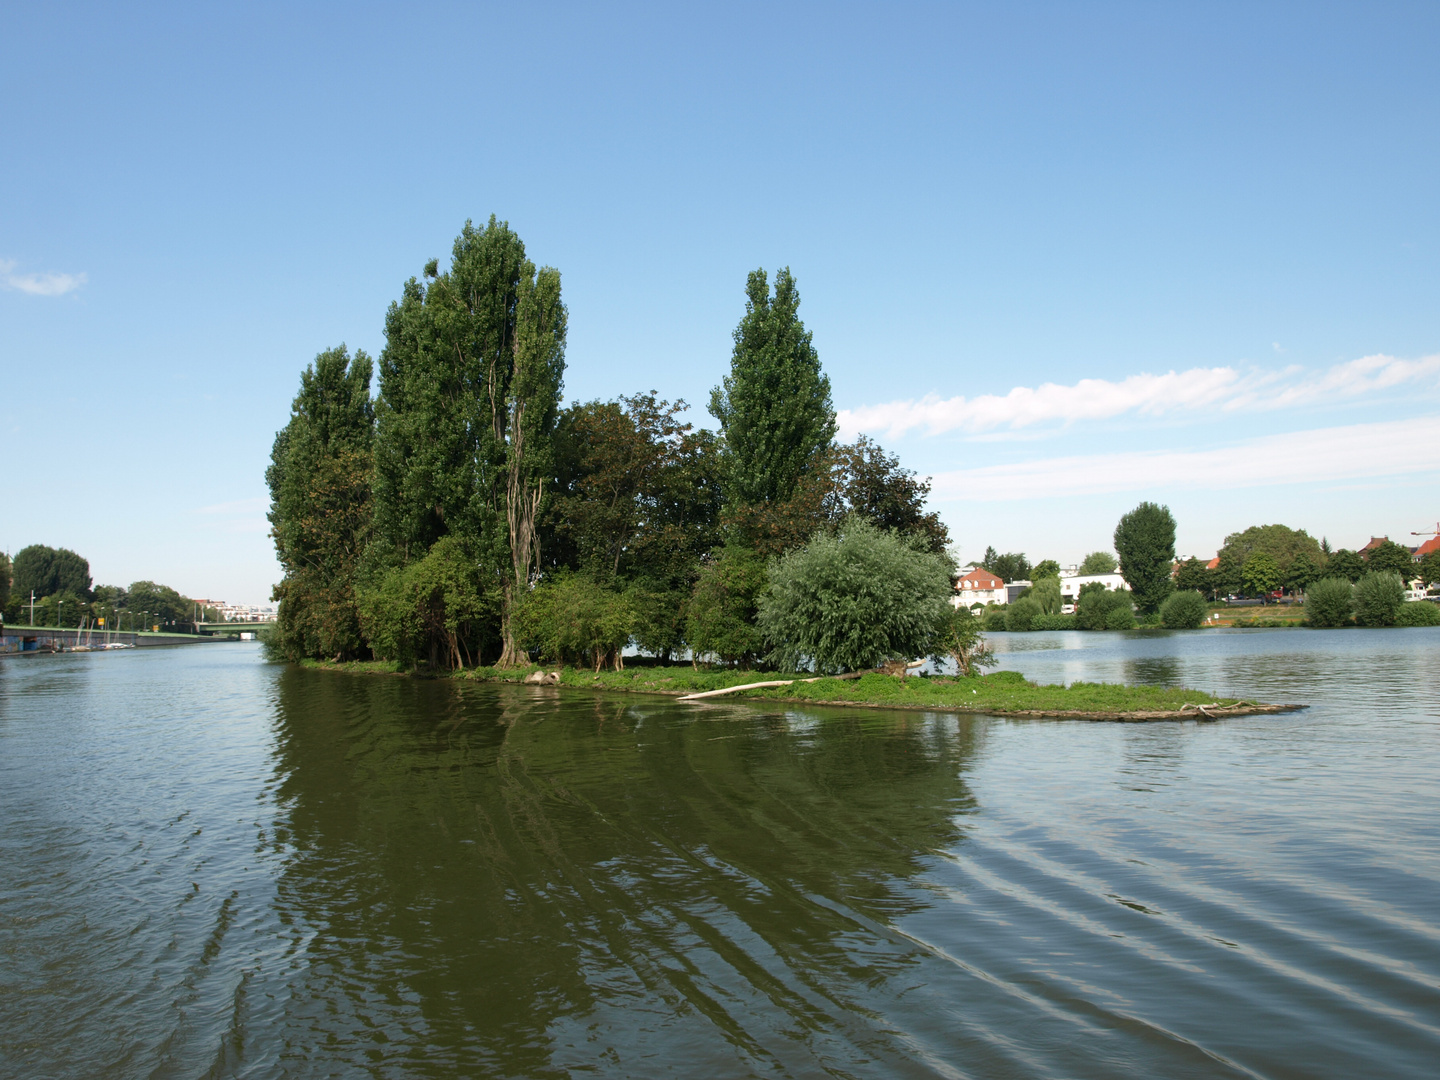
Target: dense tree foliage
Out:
[1261,573]
[1192,575]
[576,619]
[1145,542]
[1280,542]
[320,506]
[1023,614]
[1329,602]
[963,643]
[5,571]
[1099,608]
[1012,566]
[46,570]
[853,599]
[1183,610]
[1346,564]
[1379,596]
[774,406]
[1388,556]
[721,615]
[1418,613]
[1429,568]
[1099,562]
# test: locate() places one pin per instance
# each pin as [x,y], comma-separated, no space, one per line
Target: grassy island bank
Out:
[1004,693]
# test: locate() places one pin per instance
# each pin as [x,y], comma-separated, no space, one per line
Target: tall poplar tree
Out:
[774,407]
[1145,542]
[319,480]
[470,382]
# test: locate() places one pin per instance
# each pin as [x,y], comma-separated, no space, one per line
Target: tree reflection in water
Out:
[523,880]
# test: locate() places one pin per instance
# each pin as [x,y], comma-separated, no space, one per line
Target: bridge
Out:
[36,639]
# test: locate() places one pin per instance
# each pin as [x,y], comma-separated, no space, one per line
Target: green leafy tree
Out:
[1282,543]
[1346,564]
[578,620]
[853,599]
[163,605]
[1046,593]
[1012,566]
[993,618]
[1228,575]
[5,571]
[438,610]
[872,483]
[1302,573]
[1429,567]
[774,407]
[1329,602]
[1145,541]
[1378,598]
[1261,573]
[1391,557]
[1183,610]
[45,570]
[962,640]
[1194,576]
[320,507]
[722,611]
[1049,568]
[1099,562]
[1095,604]
[1022,615]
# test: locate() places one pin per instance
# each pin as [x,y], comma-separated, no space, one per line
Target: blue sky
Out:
[1060,257]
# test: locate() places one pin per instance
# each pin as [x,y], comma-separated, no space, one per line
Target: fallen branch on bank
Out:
[787,682]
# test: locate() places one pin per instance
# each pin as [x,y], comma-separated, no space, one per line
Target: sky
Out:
[1061,258]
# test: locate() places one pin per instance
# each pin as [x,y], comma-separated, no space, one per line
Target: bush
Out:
[436,610]
[1046,593]
[963,643]
[1329,602]
[720,621]
[1092,610]
[577,620]
[994,619]
[1054,622]
[1378,598]
[1022,614]
[1183,611]
[1418,613]
[854,599]
[1120,618]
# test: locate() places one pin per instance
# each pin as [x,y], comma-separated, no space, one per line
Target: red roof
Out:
[980,579]
[1375,542]
[1213,563]
[1433,544]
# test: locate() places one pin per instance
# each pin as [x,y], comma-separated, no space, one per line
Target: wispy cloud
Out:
[1357,451]
[1225,388]
[48,284]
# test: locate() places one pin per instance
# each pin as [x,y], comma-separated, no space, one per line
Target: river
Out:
[214,866]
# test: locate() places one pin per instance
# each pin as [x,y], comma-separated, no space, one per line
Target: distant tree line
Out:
[60,582]
[464,515]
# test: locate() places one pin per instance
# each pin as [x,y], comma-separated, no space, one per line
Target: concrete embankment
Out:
[20,640]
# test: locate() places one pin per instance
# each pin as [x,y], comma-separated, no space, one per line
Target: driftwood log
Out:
[889,669]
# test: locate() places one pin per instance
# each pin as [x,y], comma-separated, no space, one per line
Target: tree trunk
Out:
[522,504]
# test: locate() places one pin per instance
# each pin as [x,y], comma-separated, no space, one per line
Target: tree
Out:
[577,619]
[436,610]
[1183,610]
[5,571]
[1228,577]
[164,605]
[45,570]
[1022,614]
[1329,602]
[1095,605]
[320,506]
[1194,576]
[1418,613]
[1392,557]
[854,599]
[1281,543]
[1429,568]
[533,401]
[1046,569]
[1046,593]
[1099,562]
[1346,564]
[1303,571]
[1145,541]
[774,407]
[1261,574]
[872,483]
[1378,598]
[720,619]
[1012,566]
[964,643]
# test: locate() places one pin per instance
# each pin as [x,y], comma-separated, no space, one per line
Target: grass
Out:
[1004,692]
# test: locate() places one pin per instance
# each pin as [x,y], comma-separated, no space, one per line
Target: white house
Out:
[1071,583]
[978,588]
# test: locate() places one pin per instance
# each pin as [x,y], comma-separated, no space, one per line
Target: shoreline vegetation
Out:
[1003,693]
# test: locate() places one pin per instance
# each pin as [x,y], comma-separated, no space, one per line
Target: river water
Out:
[213,866]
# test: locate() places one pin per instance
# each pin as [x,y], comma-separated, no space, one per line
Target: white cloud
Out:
[38,284]
[1148,395]
[1357,451]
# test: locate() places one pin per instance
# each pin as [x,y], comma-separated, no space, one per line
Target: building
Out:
[978,588]
[1071,582]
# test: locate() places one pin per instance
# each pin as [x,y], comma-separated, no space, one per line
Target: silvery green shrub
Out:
[1329,602]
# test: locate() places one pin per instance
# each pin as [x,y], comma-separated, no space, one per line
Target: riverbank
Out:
[1004,693]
